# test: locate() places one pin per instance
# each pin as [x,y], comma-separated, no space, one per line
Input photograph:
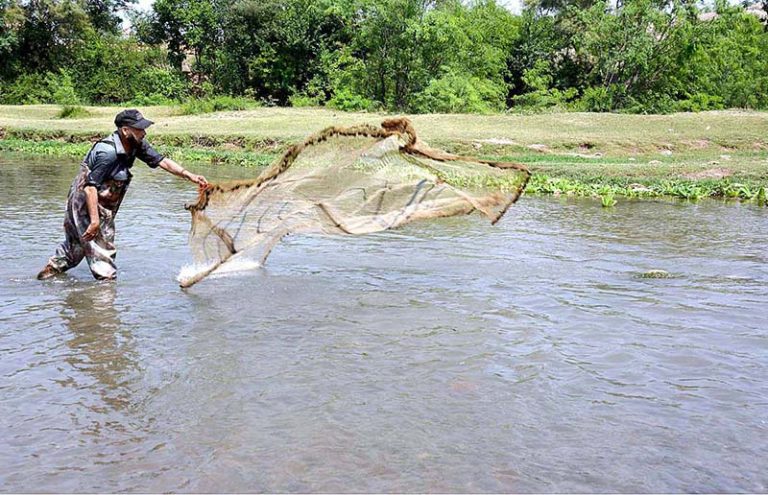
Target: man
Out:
[96,194]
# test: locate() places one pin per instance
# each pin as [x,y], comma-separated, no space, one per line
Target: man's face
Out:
[134,136]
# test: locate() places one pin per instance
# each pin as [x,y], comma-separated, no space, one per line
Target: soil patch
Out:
[710,173]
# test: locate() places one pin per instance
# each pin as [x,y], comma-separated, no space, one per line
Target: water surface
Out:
[445,356]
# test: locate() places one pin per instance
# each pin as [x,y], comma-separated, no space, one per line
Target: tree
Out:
[11,22]
[190,26]
[50,33]
[275,49]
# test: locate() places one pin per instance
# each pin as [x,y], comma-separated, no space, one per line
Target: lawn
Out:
[625,152]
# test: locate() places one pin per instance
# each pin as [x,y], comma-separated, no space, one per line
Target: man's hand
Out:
[197,179]
[90,232]
[179,171]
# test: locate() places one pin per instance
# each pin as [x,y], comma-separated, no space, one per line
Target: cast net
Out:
[345,181]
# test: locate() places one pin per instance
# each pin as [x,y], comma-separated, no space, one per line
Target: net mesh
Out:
[347,181]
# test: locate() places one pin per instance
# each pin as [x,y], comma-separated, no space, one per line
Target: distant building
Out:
[756,10]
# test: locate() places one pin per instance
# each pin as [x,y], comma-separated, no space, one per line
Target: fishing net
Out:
[346,181]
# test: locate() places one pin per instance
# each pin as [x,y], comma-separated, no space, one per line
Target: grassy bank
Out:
[717,154]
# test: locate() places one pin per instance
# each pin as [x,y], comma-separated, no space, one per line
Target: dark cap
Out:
[132,118]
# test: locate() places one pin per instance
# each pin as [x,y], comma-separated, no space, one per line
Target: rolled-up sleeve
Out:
[149,155]
[100,163]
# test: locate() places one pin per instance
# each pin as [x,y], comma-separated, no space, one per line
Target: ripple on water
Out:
[445,356]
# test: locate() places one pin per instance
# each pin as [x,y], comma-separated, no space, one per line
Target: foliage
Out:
[728,67]
[347,100]
[460,93]
[596,99]
[635,56]
[608,200]
[41,88]
[539,81]
[304,100]
[73,112]
[216,104]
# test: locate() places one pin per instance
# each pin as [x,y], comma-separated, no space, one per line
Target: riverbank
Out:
[711,154]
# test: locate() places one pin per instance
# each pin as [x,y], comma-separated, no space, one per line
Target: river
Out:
[446,356]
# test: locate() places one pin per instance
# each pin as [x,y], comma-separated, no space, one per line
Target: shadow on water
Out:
[102,347]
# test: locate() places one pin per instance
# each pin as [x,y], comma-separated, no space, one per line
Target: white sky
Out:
[145,4]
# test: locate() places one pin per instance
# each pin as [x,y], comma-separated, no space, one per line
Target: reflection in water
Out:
[102,347]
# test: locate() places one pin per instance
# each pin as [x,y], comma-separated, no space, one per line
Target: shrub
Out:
[160,84]
[303,100]
[347,100]
[31,89]
[700,102]
[459,93]
[142,100]
[62,88]
[216,104]
[543,99]
[73,112]
[542,95]
[27,89]
[598,99]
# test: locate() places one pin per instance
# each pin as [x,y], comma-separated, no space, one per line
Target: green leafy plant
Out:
[607,200]
[73,112]
[216,104]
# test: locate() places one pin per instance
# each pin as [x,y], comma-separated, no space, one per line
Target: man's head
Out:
[132,125]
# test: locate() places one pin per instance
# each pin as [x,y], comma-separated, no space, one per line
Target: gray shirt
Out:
[109,160]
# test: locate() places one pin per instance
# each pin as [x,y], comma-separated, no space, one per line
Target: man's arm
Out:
[179,171]
[92,202]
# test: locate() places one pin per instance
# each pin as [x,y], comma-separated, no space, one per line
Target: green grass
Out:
[216,104]
[73,112]
[606,133]
[60,149]
[691,156]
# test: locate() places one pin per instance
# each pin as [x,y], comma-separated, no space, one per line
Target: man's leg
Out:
[68,254]
[100,253]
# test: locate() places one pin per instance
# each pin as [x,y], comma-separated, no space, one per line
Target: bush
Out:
[649,103]
[303,100]
[459,93]
[32,89]
[700,102]
[142,100]
[27,89]
[538,79]
[543,99]
[349,101]
[110,69]
[62,88]
[73,112]
[160,84]
[216,104]
[597,99]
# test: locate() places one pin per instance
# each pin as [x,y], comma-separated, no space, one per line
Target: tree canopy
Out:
[399,55]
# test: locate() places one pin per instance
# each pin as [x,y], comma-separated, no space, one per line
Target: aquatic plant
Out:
[607,200]
[761,197]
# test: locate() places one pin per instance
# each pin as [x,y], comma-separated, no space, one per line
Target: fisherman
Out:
[96,194]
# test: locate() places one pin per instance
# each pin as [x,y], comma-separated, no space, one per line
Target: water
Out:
[446,356]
